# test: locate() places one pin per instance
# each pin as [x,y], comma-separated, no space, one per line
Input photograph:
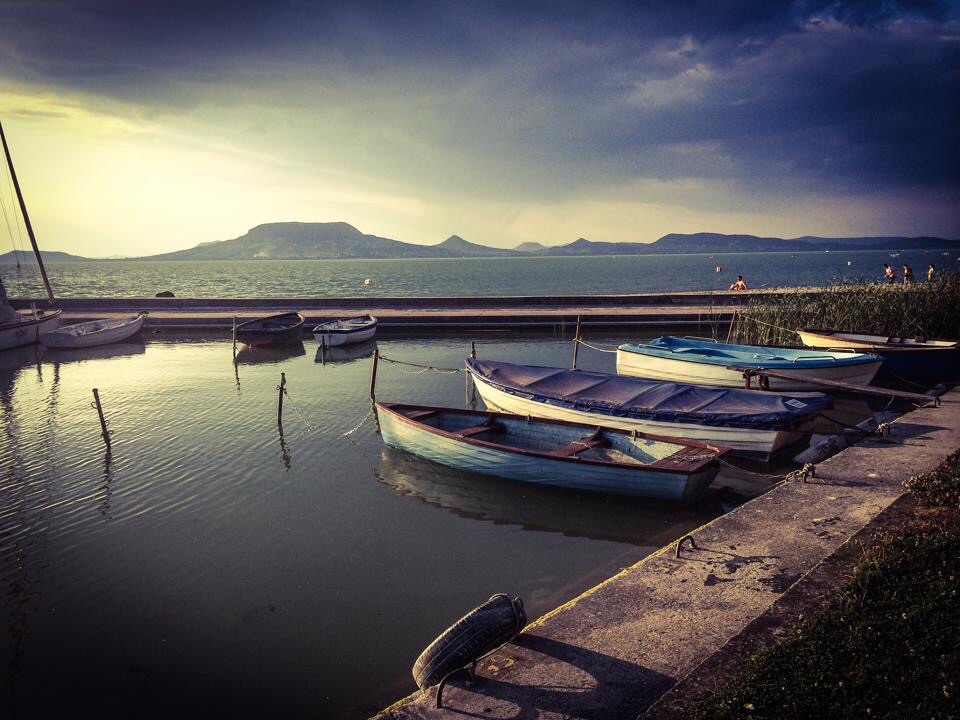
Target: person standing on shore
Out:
[907,274]
[739,284]
[889,274]
[931,271]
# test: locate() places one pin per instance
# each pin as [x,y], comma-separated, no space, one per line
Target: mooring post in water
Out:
[280,392]
[473,349]
[373,375]
[576,343]
[234,336]
[103,423]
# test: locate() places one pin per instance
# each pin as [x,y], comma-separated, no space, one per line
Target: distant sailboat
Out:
[21,328]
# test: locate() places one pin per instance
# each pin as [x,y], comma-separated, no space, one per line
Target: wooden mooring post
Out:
[576,344]
[103,423]
[234,337]
[373,375]
[280,391]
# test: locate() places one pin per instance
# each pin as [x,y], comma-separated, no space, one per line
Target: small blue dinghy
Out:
[707,362]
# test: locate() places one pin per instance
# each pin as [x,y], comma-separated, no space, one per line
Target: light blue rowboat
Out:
[551,452]
[707,362]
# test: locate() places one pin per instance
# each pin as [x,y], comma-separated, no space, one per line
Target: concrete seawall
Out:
[442,314]
[616,649]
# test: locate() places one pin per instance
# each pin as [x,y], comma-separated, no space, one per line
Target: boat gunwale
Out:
[827,334]
[47,315]
[328,328]
[690,355]
[694,466]
[651,415]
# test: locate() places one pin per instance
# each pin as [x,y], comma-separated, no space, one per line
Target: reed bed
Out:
[930,310]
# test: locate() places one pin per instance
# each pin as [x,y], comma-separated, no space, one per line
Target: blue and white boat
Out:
[552,452]
[749,422]
[706,362]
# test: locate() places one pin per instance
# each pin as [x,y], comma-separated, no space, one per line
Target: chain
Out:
[309,425]
[359,425]
[425,368]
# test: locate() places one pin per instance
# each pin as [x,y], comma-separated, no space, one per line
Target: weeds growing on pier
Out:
[887,647]
[920,310]
[940,486]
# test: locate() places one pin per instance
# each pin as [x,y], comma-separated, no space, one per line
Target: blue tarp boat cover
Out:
[751,356]
[621,396]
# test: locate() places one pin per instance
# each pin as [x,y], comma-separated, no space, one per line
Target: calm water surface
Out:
[472,276]
[210,564]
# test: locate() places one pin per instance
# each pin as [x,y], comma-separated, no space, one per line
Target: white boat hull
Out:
[337,339]
[862,342]
[28,330]
[684,371]
[745,441]
[500,462]
[93,333]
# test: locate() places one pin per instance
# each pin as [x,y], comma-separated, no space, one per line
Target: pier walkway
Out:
[403,315]
[617,649]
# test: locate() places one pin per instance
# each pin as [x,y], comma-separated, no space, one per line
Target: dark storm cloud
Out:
[841,96]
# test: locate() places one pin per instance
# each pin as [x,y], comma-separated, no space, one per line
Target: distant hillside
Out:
[530,247]
[49,256]
[297,240]
[458,247]
[715,242]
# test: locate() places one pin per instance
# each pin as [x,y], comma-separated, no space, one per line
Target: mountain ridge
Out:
[340,240]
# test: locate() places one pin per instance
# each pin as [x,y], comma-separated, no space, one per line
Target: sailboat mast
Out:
[26,217]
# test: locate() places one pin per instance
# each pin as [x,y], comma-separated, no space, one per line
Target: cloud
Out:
[489,104]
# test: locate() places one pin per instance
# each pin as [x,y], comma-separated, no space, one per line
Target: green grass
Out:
[887,647]
[941,486]
[922,309]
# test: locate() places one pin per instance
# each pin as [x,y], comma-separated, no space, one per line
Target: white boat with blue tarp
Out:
[707,362]
[552,452]
[749,422]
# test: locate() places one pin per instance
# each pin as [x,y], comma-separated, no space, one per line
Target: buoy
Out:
[480,631]
[849,263]
[368,281]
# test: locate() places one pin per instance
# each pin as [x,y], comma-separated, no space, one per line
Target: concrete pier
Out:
[402,315]
[642,635]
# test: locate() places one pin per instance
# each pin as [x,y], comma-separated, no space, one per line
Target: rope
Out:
[424,368]
[595,347]
[761,322]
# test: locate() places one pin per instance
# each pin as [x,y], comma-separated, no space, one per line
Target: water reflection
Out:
[345,353]
[267,354]
[575,514]
[99,352]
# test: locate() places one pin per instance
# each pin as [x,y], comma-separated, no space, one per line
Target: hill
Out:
[49,256]
[458,247]
[298,240]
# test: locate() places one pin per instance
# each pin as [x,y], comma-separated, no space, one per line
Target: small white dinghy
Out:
[346,331]
[94,332]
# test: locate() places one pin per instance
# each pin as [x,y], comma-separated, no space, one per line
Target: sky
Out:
[143,126]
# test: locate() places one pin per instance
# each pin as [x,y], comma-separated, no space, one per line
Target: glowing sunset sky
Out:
[143,127]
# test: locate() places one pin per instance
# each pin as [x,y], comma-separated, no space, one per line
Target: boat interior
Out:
[550,438]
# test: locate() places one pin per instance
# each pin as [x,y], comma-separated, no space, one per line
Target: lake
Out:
[210,564]
[472,276]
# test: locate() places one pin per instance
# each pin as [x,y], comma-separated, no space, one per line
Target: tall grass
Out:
[920,310]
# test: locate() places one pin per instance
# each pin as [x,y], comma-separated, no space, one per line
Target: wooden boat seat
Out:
[489,424]
[581,445]
[421,414]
